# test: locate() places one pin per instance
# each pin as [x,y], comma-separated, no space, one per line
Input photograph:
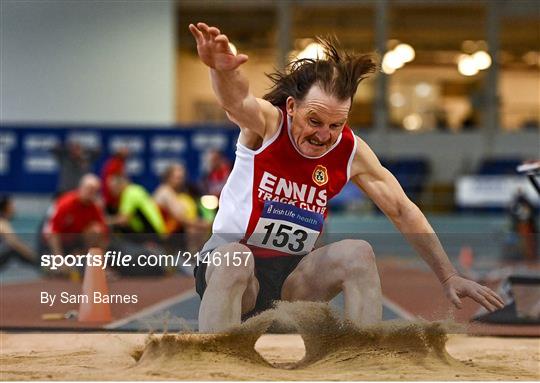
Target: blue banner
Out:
[28,165]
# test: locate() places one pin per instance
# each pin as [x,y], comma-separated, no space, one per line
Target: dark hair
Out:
[338,74]
[4,202]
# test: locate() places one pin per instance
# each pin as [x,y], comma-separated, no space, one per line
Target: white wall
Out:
[87,61]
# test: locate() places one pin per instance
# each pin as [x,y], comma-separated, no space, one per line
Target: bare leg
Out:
[347,266]
[231,290]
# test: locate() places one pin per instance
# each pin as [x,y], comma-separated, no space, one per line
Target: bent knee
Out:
[229,265]
[356,258]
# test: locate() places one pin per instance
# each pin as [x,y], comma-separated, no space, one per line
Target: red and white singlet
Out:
[276,199]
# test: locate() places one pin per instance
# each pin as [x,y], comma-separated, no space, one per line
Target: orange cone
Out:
[94,281]
[466,257]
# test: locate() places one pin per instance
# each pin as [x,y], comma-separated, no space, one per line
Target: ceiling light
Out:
[405,52]
[313,51]
[423,89]
[393,60]
[482,60]
[412,122]
[397,100]
[467,66]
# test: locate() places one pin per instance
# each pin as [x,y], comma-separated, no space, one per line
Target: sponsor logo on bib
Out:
[320,175]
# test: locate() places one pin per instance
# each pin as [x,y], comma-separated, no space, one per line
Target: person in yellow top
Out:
[180,210]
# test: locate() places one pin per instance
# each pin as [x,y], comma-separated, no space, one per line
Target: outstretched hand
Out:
[213,48]
[457,287]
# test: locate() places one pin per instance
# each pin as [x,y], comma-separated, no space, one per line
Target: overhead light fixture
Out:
[422,89]
[405,52]
[397,57]
[387,69]
[393,60]
[312,51]
[412,122]
[482,60]
[467,66]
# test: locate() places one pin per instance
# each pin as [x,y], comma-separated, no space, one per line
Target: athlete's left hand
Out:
[457,287]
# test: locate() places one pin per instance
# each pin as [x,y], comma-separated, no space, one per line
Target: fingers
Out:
[204,34]
[196,34]
[209,33]
[454,298]
[241,58]
[483,300]
[223,41]
[499,302]
[213,31]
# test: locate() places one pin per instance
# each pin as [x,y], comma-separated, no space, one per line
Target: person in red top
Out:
[219,169]
[114,166]
[295,151]
[77,221]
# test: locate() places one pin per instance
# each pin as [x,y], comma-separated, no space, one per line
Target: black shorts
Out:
[271,274]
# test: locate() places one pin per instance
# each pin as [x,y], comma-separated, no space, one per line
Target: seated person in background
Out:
[137,211]
[180,211]
[177,205]
[10,244]
[114,166]
[77,221]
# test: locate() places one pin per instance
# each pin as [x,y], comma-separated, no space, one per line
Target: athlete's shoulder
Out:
[276,121]
[365,159]
[253,140]
[135,191]
[68,198]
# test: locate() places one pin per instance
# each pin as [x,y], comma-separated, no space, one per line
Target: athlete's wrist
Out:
[448,276]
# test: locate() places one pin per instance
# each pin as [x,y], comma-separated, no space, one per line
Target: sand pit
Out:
[325,349]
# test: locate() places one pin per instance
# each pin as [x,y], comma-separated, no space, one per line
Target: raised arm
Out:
[386,192]
[231,87]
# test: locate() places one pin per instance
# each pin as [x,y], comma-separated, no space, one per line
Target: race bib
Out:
[286,228]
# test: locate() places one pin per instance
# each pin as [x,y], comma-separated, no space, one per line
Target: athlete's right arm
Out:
[230,85]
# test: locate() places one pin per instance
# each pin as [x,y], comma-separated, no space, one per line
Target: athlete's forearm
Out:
[419,233]
[230,87]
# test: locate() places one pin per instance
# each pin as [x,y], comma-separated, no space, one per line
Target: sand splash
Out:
[329,341]
[334,350]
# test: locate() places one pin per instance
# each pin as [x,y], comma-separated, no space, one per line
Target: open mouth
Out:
[315,142]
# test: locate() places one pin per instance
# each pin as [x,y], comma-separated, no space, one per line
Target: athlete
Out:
[295,152]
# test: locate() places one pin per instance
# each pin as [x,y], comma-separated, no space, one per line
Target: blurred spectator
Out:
[75,161]
[77,221]
[218,169]
[114,166]
[137,211]
[10,244]
[177,204]
[524,225]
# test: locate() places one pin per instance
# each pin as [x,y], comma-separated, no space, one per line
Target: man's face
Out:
[89,191]
[317,121]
